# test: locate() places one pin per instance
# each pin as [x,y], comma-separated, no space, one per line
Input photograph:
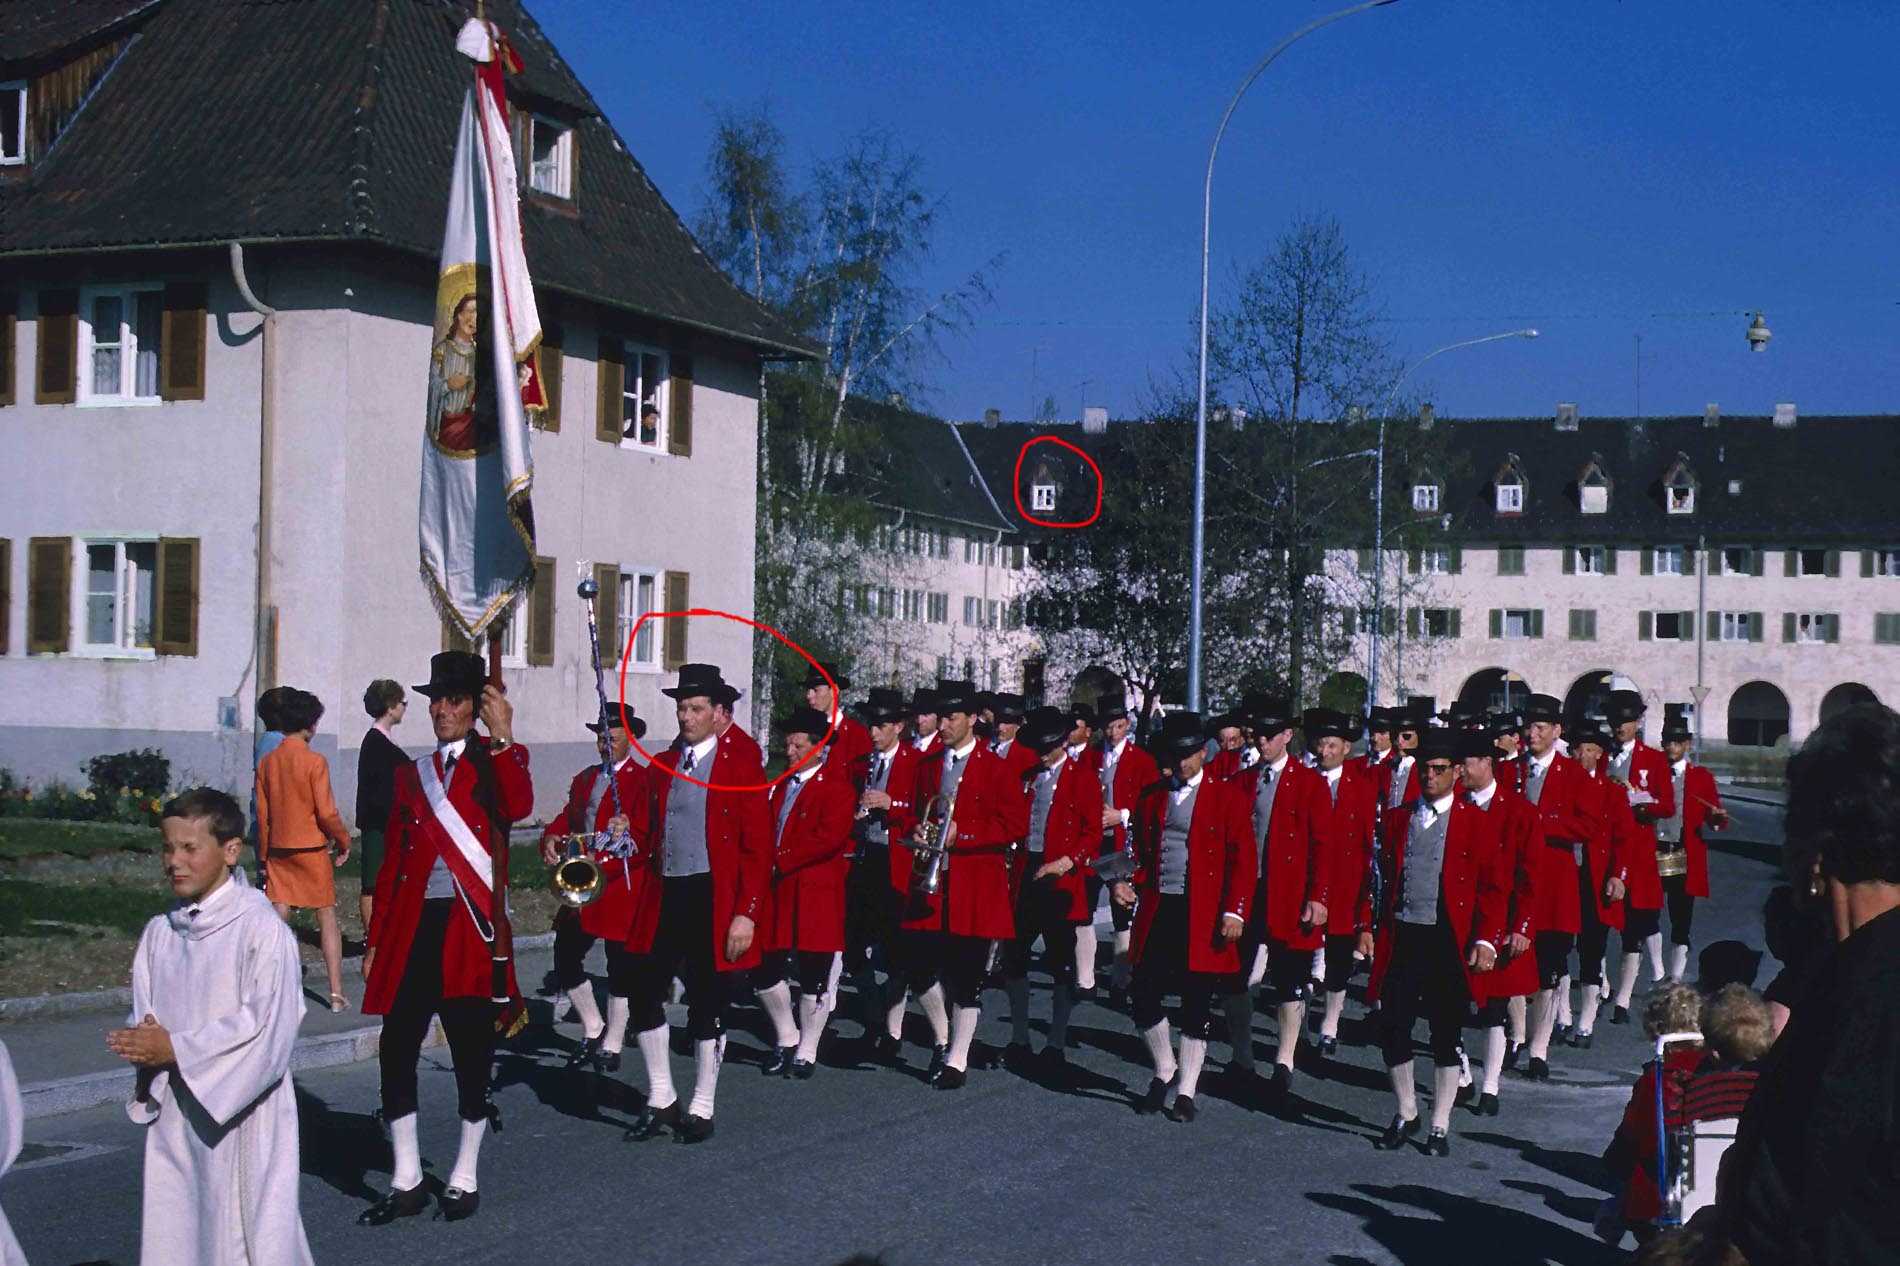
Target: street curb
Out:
[1760,798]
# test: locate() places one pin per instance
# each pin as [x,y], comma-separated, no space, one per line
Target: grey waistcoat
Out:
[953,772]
[683,850]
[1533,782]
[1263,797]
[1669,830]
[785,808]
[875,832]
[1043,796]
[1424,871]
[1174,843]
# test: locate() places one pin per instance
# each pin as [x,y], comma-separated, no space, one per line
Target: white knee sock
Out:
[1193,1056]
[1626,984]
[812,1016]
[1292,1019]
[1123,968]
[1335,1007]
[1652,946]
[962,1032]
[1085,946]
[1516,1010]
[777,1002]
[408,1171]
[1018,990]
[1678,961]
[1562,998]
[462,1177]
[1160,1051]
[1239,1010]
[1493,1059]
[582,996]
[1587,1019]
[931,1000]
[1062,1006]
[830,999]
[706,1053]
[659,1062]
[1444,1095]
[1257,972]
[616,1035]
[894,1017]
[1406,1091]
[1464,1067]
[1604,989]
[1543,1022]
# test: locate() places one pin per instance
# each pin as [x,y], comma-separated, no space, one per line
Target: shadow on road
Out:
[1578,1167]
[1452,1226]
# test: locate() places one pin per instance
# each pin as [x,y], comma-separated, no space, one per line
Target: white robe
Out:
[12,1116]
[221,1162]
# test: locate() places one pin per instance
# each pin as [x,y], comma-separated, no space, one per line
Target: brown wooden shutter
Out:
[9,310]
[541,615]
[181,351]
[6,596]
[176,631]
[57,380]
[49,611]
[673,645]
[549,367]
[607,612]
[679,427]
[610,393]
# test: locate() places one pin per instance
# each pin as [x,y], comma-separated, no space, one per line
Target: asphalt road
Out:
[869,1160]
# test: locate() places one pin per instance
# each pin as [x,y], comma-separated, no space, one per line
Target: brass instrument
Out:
[575,877]
[1672,861]
[931,855]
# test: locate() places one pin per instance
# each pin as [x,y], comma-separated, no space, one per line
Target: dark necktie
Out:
[686,765]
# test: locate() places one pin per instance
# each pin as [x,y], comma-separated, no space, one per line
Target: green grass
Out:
[21,838]
[32,909]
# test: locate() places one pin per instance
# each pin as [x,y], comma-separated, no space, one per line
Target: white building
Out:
[205,503]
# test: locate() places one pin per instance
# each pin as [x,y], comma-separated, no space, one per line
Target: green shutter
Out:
[1412,622]
[1346,621]
[1413,561]
[1364,557]
[1713,631]
[1758,559]
[1457,564]
[1754,626]
[1866,564]
[540,628]
[1609,560]
[1645,626]
[1831,628]
[1570,560]
[1537,622]
[1497,623]
[1833,564]
[1457,622]
[1791,562]
[1787,626]
[1648,563]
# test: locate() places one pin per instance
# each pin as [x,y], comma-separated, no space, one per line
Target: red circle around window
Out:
[1016,483]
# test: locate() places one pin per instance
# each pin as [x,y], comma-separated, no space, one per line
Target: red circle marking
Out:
[626,656]
[1016,484]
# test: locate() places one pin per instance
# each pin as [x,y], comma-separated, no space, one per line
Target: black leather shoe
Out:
[1620,1016]
[1328,1046]
[1538,1069]
[1437,1144]
[586,1053]
[1582,1041]
[804,1069]
[609,1062]
[397,1204]
[951,1079]
[455,1204]
[1156,1097]
[1397,1133]
[1017,1057]
[1561,1034]
[887,1050]
[779,1062]
[1183,1109]
[1487,1106]
[1280,1089]
[1512,1051]
[653,1121]
[1465,1095]
[1573,1038]
[694,1129]
[938,1054]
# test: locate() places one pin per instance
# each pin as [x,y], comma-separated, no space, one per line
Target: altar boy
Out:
[216,1001]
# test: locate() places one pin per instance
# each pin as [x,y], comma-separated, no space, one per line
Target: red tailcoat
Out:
[1224,764]
[1220,869]
[1649,771]
[1299,851]
[1134,770]
[901,817]
[848,746]
[1514,821]
[738,844]
[1074,830]
[1472,891]
[611,913]
[412,842]
[1700,798]
[1022,766]
[1620,844]
[1352,837]
[992,813]
[931,747]
[1566,814]
[809,861]
[1510,773]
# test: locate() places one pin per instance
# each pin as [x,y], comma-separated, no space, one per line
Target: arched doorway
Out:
[1589,695]
[1344,692]
[1757,715]
[1494,690]
[1847,695]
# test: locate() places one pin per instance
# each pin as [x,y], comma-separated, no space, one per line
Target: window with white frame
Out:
[1590,560]
[1434,560]
[1510,498]
[969,668]
[1673,626]
[550,157]
[943,667]
[1042,497]
[639,594]
[1810,626]
[1518,624]
[1438,622]
[1594,498]
[1425,496]
[1811,562]
[12,123]
[914,605]
[509,635]
[1732,626]
[1887,562]
[645,389]
[1680,498]
[972,612]
[115,583]
[995,675]
[938,608]
[1669,560]
[995,613]
[1738,560]
[119,330]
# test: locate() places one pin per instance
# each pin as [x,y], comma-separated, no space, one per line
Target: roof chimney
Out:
[1426,416]
[1094,419]
[1566,416]
[1711,414]
[1784,415]
[992,417]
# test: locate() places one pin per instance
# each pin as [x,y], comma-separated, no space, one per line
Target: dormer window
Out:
[1510,485]
[1593,488]
[12,123]
[1679,487]
[1510,498]
[550,157]
[1425,497]
[1042,497]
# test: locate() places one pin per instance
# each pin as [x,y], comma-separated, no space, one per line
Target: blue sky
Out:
[1600,171]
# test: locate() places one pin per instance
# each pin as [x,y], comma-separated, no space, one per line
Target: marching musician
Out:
[609,915]
[1440,922]
[886,810]
[1400,784]
[812,811]
[850,741]
[1610,890]
[1499,993]
[1064,827]
[1682,854]
[1126,770]
[431,947]
[1288,910]
[1379,752]
[1352,802]
[924,720]
[708,884]
[1561,792]
[1191,893]
[1507,731]
[1645,775]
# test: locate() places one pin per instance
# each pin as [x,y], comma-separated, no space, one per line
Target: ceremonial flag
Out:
[476,523]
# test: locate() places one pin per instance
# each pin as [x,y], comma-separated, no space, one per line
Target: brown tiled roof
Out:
[333,121]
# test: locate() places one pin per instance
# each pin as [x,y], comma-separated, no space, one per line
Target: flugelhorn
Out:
[930,855]
[575,877]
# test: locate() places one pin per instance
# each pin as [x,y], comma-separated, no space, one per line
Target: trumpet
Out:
[930,855]
[575,878]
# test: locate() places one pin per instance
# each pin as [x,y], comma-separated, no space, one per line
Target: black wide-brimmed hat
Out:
[1319,723]
[1110,707]
[1461,715]
[1416,714]
[1044,729]
[1543,708]
[1625,705]
[885,703]
[1675,726]
[455,673]
[813,677]
[1380,719]
[1583,730]
[1506,722]
[1082,714]
[1007,706]
[803,720]
[1268,713]
[702,680]
[1435,742]
[1475,743]
[1234,718]
[1181,734]
[957,696]
[923,701]
[638,727]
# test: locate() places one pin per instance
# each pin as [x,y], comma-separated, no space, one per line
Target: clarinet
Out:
[605,841]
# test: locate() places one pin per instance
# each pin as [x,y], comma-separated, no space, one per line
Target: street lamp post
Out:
[1378,506]
[1200,411]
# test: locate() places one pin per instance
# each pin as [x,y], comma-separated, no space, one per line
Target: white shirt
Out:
[963,753]
[1429,811]
[700,752]
[1679,766]
[804,775]
[1332,776]
[1180,793]
[1484,797]
[1542,763]
[1278,767]
[1115,752]
[451,750]
[1075,750]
